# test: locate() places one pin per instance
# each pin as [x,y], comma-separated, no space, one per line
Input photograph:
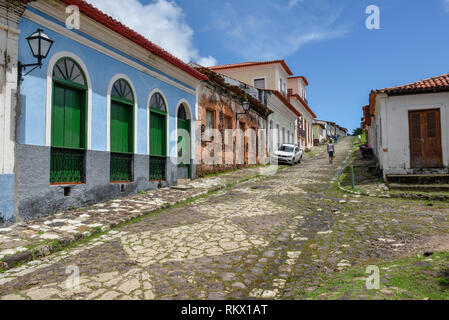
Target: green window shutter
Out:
[72,120]
[57,119]
[157,135]
[68,118]
[121,128]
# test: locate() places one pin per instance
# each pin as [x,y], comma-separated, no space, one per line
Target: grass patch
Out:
[414,278]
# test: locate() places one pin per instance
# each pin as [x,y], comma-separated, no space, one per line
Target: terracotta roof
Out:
[304,103]
[435,84]
[253,63]
[109,22]
[301,77]
[255,104]
[319,124]
[286,102]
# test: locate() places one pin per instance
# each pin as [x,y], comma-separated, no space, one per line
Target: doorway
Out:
[425,139]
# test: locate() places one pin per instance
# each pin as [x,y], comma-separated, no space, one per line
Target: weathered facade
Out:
[319,132]
[11,12]
[408,127]
[228,138]
[102,118]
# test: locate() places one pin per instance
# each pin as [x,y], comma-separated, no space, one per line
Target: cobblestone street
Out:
[273,237]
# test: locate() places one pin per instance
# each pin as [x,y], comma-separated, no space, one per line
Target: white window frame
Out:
[260,78]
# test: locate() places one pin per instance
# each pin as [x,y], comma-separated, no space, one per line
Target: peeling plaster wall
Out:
[206,148]
[10,13]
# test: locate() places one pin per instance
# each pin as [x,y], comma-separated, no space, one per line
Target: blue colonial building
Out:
[108,113]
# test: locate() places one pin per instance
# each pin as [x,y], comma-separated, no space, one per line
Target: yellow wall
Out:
[247,74]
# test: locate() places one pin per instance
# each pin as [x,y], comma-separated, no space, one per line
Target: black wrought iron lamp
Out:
[40,45]
[245,106]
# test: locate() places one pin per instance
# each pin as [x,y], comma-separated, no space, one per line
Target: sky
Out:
[326,41]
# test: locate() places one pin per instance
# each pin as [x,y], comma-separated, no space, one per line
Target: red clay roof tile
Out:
[304,103]
[252,63]
[109,22]
[435,84]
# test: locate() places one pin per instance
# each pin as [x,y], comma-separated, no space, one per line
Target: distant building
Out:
[319,132]
[291,120]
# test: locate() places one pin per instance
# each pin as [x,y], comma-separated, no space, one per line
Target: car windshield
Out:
[286,149]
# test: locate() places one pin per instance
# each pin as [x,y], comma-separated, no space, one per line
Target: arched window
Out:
[157,103]
[122,90]
[68,123]
[67,69]
[158,137]
[122,131]
[182,114]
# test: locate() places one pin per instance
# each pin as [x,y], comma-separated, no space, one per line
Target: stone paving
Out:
[27,240]
[272,237]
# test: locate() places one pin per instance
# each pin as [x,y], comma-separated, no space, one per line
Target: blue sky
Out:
[324,40]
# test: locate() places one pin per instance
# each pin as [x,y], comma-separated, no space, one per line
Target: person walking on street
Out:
[331,151]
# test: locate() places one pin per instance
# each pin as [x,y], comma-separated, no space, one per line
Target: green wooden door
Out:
[158,139]
[184,148]
[122,140]
[68,118]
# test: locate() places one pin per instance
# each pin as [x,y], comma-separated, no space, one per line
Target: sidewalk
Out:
[26,241]
[368,182]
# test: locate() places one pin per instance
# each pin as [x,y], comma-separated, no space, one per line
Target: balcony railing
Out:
[121,167]
[157,168]
[67,166]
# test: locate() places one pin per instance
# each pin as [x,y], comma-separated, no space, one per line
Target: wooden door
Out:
[157,135]
[68,118]
[425,139]
[184,150]
[121,128]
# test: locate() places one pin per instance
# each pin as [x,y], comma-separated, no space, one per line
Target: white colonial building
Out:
[408,127]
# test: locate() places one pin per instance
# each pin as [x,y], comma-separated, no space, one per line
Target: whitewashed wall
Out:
[283,117]
[391,127]
[8,82]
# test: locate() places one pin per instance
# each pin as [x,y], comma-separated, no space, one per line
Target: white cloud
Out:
[293,3]
[446,5]
[272,32]
[161,21]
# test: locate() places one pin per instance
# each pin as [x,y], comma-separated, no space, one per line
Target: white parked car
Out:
[288,153]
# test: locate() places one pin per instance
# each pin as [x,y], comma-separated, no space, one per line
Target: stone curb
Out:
[13,260]
[340,172]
